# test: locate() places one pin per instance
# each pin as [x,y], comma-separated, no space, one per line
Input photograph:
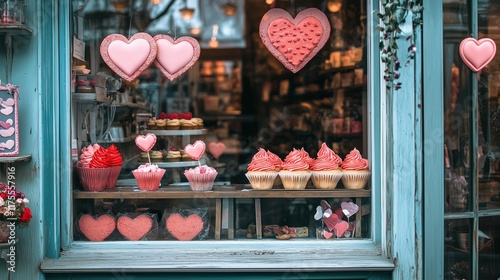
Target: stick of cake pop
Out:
[196,150]
[146,143]
[216,149]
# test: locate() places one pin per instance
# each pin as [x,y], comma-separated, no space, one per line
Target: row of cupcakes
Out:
[171,155]
[298,167]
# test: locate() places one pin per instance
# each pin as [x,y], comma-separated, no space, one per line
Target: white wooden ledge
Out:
[220,256]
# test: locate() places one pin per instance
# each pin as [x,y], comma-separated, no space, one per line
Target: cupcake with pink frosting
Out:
[294,171]
[326,171]
[201,178]
[355,170]
[276,160]
[262,171]
[148,176]
[92,168]
[115,162]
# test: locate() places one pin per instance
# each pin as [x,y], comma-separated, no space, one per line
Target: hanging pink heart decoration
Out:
[196,150]
[294,41]
[476,54]
[145,142]
[216,149]
[128,57]
[175,57]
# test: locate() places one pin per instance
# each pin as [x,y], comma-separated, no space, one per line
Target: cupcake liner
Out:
[93,179]
[201,182]
[326,179]
[261,180]
[113,176]
[148,181]
[294,180]
[355,179]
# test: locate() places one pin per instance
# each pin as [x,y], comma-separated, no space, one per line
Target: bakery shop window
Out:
[227,132]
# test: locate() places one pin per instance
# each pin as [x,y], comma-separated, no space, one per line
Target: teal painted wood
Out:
[49,81]
[433,141]
[65,119]
[402,162]
[223,276]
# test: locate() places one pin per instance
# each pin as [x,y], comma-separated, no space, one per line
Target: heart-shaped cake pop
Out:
[327,234]
[476,54]
[175,57]
[294,41]
[340,228]
[216,149]
[97,229]
[145,142]
[134,229]
[349,208]
[184,229]
[196,150]
[331,221]
[128,57]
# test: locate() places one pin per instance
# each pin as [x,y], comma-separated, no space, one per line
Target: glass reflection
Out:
[457,249]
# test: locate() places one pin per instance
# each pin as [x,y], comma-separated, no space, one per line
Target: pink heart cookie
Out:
[294,41]
[134,229]
[327,234]
[184,229]
[476,54]
[96,229]
[145,142]
[216,149]
[196,150]
[340,228]
[128,57]
[175,57]
[331,221]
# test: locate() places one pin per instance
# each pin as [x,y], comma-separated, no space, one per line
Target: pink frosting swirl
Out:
[261,162]
[148,168]
[354,161]
[295,160]
[87,155]
[204,169]
[274,159]
[327,159]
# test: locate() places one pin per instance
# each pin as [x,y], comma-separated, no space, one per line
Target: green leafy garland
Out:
[393,15]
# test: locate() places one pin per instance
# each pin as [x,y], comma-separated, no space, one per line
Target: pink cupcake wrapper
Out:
[148,181]
[294,181]
[201,182]
[113,176]
[262,181]
[93,179]
[325,180]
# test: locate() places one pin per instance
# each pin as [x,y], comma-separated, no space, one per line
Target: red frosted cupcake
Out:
[201,178]
[294,171]
[355,171]
[326,171]
[115,162]
[276,160]
[92,168]
[148,176]
[261,171]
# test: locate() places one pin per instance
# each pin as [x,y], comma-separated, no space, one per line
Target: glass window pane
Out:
[489,248]
[457,253]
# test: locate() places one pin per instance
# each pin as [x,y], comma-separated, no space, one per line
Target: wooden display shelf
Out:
[21,158]
[235,191]
[15,29]
[179,132]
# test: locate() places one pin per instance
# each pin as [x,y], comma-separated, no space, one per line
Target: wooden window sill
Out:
[220,256]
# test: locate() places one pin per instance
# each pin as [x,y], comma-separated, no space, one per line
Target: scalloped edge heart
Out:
[118,37]
[158,63]
[276,13]
[145,142]
[474,57]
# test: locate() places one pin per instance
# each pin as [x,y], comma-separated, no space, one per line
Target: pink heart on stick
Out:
[196,150]
[294,41]
[216,149]
[128,57]
[175,57]
[340,228]
[327,234]
[349,208]
[145,142]
[331,221]
[476,54]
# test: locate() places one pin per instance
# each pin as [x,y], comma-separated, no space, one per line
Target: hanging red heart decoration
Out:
[476,54]
[175,57]
[128,57]
[294,41]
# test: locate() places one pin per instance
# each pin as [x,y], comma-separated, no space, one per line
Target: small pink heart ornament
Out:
[294,41]
[331,221]
[341,228]
[175,57]
[476,54]
[327,234]
[128,57]
[196,150]
[216,149]
[349,208]
[145,142]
